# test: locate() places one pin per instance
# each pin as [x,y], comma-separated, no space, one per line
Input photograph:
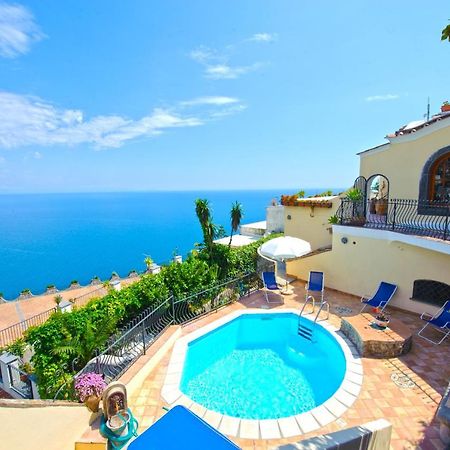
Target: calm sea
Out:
[55,238]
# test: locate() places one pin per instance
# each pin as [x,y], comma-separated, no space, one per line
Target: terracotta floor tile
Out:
[411,411]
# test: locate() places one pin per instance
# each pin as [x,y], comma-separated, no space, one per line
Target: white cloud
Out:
[233,109]
[215,100]
[224,71]
[382,98]
[26,120]
[17,30]
[216,64]
[263,37]
[205,55]
[37,155]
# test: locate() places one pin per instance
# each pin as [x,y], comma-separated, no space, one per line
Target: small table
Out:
[371,341]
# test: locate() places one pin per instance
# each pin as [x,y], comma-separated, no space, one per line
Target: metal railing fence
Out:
[417,217]
[20,381]
[133,341]
[82,300]
[12,333]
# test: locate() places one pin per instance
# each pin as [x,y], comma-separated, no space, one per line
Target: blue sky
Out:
[180,95]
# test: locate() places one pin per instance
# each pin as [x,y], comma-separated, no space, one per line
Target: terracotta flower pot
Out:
[92,403]
[445,108]
[358,221]
[381,207]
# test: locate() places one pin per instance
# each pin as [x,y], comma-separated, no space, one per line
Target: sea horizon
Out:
[54,238]
[285,190]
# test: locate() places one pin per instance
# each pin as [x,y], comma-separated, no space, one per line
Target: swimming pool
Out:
[257,367]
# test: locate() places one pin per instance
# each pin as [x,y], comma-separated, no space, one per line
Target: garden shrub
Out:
[53,369]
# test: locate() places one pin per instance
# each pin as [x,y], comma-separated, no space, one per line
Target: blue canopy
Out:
[181,429]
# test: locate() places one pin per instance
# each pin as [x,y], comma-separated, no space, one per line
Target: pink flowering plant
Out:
[88,384]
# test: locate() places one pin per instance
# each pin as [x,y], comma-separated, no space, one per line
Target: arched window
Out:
[439,179]
[434,184]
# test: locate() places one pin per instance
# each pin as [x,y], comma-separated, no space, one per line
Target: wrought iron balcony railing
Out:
[420,218]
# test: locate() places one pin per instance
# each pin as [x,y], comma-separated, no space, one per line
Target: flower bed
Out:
[295,200]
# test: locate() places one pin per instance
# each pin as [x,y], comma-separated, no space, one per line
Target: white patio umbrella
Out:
[285,247]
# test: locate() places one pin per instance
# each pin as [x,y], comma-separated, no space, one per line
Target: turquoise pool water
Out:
[257,367]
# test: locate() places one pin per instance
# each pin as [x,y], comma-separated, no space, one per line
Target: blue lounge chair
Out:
[440,322]
[270,284]
[316,283]
[382,297]
[181,429]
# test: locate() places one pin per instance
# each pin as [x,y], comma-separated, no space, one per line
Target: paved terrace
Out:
[15,311]
[410,410]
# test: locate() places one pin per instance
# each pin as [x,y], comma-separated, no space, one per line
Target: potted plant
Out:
[89,387]
[27,370]
[289,200]
[74,284]
[25,293]
[356,197]
[333,220]
[176,257]
[148,261]
[381,206]
[152,267]
[96,280]
[445,106]
[381,318]
[58,299]
[51,288]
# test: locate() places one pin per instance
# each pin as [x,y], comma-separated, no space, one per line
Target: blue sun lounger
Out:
[440,322]
[270,284]
[181,429]
[316,283]
[382,297]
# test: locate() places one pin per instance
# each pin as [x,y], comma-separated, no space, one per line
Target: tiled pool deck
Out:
[410,410]
[292,426]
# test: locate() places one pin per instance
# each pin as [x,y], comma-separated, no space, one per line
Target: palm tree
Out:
[203,212]
[83,346]
[236,214]
[148,261]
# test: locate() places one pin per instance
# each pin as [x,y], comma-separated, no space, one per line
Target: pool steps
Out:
[304,331]
[307,332]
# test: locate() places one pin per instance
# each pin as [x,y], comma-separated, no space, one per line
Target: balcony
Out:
[413,217]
